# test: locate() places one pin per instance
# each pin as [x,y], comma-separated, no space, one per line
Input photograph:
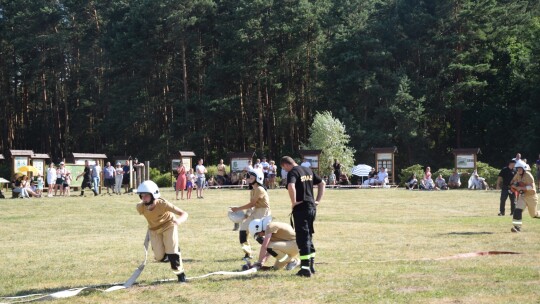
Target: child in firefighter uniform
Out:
[258,207]
[277,240]
[162,226]
[523,185]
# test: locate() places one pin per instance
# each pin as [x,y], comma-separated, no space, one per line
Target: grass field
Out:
[374,246]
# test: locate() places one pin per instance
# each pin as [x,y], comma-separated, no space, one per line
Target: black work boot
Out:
[304,272]
[181,277]
[311,263]
[82,193]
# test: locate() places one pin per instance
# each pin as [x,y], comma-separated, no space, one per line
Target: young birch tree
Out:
[328,134]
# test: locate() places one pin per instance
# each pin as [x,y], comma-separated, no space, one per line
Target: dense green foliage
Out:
[149,78]
[328,134]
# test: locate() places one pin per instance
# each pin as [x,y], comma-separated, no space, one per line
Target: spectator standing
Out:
[454,180]
[51,179]
[96,173]
[272,169]
[504,181]
[258,166]
[190,181]
[221,172]
[108,176]
[264,166]
[300,181]
[40,183]
[337,168]
[284,175]
[332,179]
[118,177]
[200,170]
[126,176]
[249,166]
[67,184]
[180,180]
[60,177]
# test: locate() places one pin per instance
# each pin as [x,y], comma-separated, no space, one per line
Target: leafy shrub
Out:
[407,172]
[164,180]
[154,173]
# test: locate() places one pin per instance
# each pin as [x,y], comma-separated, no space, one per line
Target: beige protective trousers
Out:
[286,250]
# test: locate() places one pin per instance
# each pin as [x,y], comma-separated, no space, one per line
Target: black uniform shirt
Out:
[303,179]
[507,175]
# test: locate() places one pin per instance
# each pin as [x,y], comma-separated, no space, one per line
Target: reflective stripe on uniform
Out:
[305,267]
[283,259]
[305,257]
[517,222]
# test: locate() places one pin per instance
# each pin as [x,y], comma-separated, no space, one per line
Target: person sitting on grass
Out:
[454,181]
[16,184]
[477,183]
[440,183]
[344,179]
[412,182]
[382,177]
[426,184]
[25,183]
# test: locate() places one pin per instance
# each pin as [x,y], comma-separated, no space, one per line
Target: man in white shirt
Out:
[381,177]
[306,163]
[265,165]
[200,170]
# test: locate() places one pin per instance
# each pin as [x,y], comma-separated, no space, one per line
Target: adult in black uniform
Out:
[503,182]
[337,168]
[300,181]
[87,180]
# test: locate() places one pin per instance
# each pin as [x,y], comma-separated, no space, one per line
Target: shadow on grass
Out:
[468,233]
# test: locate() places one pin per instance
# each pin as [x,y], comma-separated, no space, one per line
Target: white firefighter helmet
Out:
[236,217]
[258,225]
[259,176]
[521,164]
[149,187]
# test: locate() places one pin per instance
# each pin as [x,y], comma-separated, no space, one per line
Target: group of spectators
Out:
[454,181]
[189,179]
[269,170]
[59,180]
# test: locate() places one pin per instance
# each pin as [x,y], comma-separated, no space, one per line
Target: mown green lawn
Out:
[374,246]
